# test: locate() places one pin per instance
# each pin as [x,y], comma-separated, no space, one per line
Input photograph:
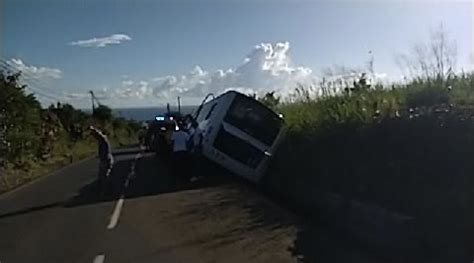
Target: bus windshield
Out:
[254,119]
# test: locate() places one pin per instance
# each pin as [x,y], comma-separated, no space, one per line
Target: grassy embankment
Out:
[409,149]
[63,152]
[35,140]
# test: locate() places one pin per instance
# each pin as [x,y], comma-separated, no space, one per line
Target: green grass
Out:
[324,113]
[409,149]
[64,153]
[311,114]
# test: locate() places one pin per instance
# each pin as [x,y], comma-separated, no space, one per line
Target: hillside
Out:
[404,151]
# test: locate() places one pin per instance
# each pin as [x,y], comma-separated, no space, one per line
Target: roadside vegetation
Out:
[408,148]
[36,140]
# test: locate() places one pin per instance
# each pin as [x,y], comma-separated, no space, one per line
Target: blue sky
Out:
[162,42]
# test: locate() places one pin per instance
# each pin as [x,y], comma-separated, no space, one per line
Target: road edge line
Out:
[19,188]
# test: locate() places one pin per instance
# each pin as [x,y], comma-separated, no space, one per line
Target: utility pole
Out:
[179,104]
[92,100]
[168,108]
[370,64]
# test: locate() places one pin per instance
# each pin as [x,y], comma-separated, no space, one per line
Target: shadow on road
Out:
[31,209]
[151,176]
[126,151]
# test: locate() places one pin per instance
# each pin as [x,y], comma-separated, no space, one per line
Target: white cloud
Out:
[76,96]
[266,68]
[132,89]
[33,72]
[339,77]
[98,42]
[102,93]
[471,64]
[380,75]
[126,83]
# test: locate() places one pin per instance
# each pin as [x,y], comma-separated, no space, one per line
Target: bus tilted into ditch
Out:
[238,133]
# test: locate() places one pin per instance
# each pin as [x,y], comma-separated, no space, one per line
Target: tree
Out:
[68,115]
[29,133]
[361,83]
[102,113]
[433,60]
[71,119]
[270,100]
[20,120]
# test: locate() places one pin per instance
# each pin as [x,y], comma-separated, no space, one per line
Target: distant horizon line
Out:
[138,107]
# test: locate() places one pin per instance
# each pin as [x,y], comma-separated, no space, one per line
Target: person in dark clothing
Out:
[163,150]
[195,148]
[142,138]
[106,159]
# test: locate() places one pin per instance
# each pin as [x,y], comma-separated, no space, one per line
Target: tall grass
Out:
[332,107]
[408,148]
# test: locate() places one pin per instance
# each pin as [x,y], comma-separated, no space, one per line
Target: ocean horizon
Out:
[148,113]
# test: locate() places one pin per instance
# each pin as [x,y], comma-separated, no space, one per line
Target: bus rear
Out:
[246,135]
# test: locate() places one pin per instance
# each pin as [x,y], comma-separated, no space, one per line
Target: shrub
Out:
[29,134]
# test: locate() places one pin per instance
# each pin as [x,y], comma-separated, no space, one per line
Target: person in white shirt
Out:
[181,157]
[180,139]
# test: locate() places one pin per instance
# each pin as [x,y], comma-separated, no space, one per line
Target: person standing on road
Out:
[142,137]
[194,147]
[179,141]
[105,157]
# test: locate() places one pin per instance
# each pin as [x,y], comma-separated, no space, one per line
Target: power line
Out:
[36,86]
[33,81]
[35,91]
[43,96]
[12,69]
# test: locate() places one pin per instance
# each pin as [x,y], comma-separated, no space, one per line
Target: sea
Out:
[145,114]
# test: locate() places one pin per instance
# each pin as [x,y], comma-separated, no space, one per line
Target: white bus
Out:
[238,133]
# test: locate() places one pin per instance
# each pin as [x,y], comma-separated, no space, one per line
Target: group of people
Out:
[182,149]
[176,144]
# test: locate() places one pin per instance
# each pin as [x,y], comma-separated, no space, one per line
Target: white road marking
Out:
[118,206]
[116,214]
[99,259]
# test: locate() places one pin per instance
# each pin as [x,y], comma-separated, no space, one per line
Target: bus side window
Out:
[210,111]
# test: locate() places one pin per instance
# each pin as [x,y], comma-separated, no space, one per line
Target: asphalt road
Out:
[148,216]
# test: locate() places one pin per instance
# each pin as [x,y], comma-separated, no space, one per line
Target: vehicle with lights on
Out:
[160,130]
[238,133]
